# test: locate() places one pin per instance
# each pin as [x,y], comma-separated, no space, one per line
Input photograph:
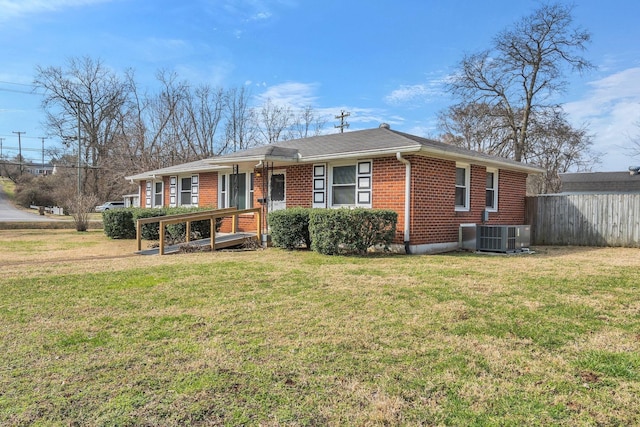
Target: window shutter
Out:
[173,191]
[194,190]
[320,185]
[148,195]
[363,192]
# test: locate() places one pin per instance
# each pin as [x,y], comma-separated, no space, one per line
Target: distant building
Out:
[39,169]
[600,182]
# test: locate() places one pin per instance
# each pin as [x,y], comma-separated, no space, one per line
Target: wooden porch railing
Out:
[187,218]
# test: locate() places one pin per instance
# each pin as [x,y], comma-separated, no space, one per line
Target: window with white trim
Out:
[343,185]
[492,190]
[462,187]
[183,190]
[158,193]
[236,190]
[350,184]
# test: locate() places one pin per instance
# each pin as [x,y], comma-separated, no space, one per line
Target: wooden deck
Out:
[223,240]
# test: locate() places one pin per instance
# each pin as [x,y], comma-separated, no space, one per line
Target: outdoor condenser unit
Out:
[502,238]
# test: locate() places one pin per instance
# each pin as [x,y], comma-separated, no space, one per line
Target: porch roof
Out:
[203,165]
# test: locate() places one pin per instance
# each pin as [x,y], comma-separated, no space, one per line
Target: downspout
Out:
[407,200]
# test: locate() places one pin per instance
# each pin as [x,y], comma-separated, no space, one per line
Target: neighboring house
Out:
[600,182]
[39,168]
[131,200]
[434,187]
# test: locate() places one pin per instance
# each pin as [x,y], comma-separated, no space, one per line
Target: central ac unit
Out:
[503,238]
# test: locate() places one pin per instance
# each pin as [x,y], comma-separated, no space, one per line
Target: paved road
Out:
[8,213]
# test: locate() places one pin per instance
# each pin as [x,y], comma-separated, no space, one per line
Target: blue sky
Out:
[383,61]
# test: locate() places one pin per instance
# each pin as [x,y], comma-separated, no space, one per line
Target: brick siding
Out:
[434,218]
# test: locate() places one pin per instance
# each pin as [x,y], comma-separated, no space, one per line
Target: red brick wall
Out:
[246,222]
[208,190]
[512,188]
[299,186]
[433,215]
[388,189]
[434,218]
[143,194]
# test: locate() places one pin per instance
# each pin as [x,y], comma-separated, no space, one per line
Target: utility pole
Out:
[79,147]
[43,138]
[20,149]
[1,157]
[342,124]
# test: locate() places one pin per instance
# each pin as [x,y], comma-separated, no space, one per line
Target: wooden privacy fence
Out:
[188,218]
[584,219]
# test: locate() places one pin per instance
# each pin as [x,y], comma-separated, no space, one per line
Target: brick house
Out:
[434,187]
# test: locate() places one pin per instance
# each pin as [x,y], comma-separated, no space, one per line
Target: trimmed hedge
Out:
[290,228]
[351,231]
[121,223]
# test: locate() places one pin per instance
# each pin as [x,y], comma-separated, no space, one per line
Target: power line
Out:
[33,87]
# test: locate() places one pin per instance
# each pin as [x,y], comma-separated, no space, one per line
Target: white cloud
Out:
[12,9]
[414,94]
[293,94]
[611,110]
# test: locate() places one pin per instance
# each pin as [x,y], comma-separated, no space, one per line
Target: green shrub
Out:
[350,231]
[118,223]
[290,228]
[201,228]
[121,223]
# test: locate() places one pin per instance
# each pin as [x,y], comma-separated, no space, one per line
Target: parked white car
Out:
[109,205]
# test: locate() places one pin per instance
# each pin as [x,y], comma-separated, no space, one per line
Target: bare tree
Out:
[305,124]
[479,127]
[239,117]
[204,107]
[272,121]
[524,68]
[558,147]
[88,91]
[635,144]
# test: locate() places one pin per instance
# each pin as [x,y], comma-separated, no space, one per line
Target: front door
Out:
[277,188]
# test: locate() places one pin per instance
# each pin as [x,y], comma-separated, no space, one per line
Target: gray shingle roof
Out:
[600,182]
[379,141]
[363,143]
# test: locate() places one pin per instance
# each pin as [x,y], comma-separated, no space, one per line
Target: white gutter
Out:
[407,199]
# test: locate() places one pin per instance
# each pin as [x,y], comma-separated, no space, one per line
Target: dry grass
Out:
[93,335]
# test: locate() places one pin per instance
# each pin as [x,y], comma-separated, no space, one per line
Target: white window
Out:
[183,190]
[236,190]
[222,203]
[462,187]
[350,185]
[343,186]
[158,192]
[492,190]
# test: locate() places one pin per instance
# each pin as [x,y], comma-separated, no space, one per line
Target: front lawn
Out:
[92,336]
